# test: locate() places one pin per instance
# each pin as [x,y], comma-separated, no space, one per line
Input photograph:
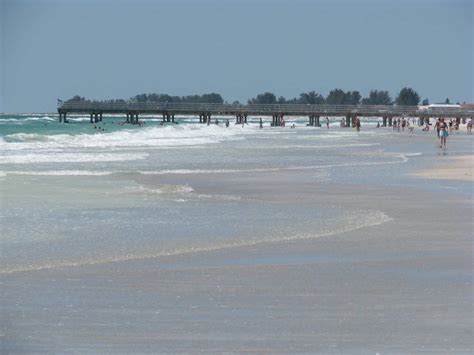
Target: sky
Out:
[105,49]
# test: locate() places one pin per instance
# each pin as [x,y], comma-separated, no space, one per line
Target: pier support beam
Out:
[348,120]
[100,117]
[238,118]
[390,121]
[96,117]
[276,120]
[92,118]
[204,118]
[384,121]
[314,121]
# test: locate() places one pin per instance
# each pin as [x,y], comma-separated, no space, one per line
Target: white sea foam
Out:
[70,158]
[398,158]
[27,119]
[163,189]
[146,137]
[56,173]
[353,221]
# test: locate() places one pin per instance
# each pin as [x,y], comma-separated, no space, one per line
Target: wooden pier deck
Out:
[204,111]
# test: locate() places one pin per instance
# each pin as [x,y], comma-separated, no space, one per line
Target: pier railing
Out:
[270,109]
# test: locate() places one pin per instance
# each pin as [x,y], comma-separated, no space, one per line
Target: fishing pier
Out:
[204,111]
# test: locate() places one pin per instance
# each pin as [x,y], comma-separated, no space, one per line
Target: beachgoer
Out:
[227,123]
[443,131]
[327,122]
[378,124]
[357,124]
[217,122]
[469,126]
[438,122]
[261,123]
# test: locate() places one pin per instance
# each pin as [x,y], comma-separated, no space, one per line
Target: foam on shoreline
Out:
[370,219]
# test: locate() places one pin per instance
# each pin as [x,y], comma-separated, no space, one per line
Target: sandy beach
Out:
[452,168]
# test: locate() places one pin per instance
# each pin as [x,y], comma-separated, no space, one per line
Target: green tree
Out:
[77,98]
[311,97]
[265,98]
[425,102]
[447,102]
[377,98]
[336,97]
[352,98]
[407,97]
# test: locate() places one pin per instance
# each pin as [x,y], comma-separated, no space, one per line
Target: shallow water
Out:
[72,196]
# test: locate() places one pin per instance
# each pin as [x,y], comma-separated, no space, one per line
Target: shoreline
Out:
[456,168]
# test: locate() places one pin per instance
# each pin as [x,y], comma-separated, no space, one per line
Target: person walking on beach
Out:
[469,126]
[327,122]
[227,123]
[443,131]
[261,123]
[437,126]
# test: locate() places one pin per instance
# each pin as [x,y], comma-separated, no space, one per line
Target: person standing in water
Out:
[443,132]
[261,123]
[327,122]
[357,124]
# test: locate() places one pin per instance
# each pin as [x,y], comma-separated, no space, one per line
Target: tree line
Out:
[406,97]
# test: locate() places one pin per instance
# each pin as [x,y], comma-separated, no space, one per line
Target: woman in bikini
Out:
[443,133]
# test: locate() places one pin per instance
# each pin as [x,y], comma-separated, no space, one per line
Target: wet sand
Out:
[402,286]
[452,168]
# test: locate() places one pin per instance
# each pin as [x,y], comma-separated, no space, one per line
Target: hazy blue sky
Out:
[115,49]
